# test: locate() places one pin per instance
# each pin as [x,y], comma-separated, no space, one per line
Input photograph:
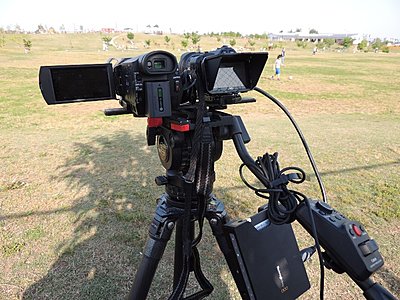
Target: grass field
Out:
[77,188]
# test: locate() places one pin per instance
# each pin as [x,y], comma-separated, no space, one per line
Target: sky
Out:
[377,18]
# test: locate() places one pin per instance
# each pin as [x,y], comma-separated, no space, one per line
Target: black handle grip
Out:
[345,241]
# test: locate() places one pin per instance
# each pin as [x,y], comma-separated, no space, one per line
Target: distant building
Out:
[312,37]
[107,30]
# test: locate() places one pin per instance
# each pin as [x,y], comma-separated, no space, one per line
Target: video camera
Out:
[153,84]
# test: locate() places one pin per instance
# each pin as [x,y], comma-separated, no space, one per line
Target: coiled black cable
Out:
[282,202]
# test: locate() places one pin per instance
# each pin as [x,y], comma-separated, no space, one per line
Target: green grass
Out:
[77,190]
[34,234]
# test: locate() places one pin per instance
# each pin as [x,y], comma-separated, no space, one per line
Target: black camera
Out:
[153,84]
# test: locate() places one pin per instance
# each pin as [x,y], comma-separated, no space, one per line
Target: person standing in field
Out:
[277,67]
[283,55]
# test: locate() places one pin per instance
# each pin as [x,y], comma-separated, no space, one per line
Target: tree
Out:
[261,36]
[377,44]
[329,42]
[40,29]
[130,36]
[385,49]
[320,45]
[298,29]
[301,44]
[195,38]
[362,45]
[186,35]
[62,28]
[252,43]
[232,42]
[107,39]
[184,43]
[347,42]
[313,31]
[167,39]
[147,42]
[27,45]
[106,42]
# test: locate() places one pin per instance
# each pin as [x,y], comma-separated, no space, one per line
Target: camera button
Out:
[357,230]
[177,86]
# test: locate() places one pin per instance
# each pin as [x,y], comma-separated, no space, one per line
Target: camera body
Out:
[149,84]
[153,84]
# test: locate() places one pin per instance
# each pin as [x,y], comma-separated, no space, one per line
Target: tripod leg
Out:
[159,234]
[217,218]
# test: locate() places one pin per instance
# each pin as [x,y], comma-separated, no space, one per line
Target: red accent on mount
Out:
[180,127]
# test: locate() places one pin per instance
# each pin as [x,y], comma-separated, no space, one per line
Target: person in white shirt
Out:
[277,67]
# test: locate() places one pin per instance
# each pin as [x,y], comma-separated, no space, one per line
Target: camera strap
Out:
[191,257]
[203,160]
[196,140]
[179,288]
[199,174]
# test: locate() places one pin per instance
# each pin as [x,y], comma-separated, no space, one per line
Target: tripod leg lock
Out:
[159,234]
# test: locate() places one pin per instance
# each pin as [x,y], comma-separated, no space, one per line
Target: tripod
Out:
[180,207]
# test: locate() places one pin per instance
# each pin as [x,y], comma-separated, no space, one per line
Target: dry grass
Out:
[77,192]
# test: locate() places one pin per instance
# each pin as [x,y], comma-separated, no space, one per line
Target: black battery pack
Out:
[268,259]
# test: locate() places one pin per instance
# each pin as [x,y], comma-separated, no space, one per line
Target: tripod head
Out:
[175,138]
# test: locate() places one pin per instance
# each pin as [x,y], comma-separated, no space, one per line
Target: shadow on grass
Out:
[390,280]
[358,168]
[112,210]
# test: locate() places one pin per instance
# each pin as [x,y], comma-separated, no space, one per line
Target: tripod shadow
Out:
[358,168]
[112,210]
